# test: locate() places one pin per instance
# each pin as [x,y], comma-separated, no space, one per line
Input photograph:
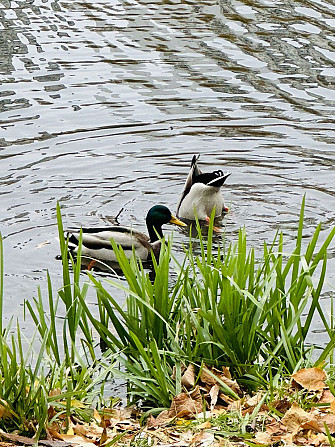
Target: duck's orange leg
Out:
[215,229]
[91,264]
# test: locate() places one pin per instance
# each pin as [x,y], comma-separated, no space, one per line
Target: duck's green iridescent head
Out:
[157,216]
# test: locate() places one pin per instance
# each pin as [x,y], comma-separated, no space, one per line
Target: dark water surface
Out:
[103,104]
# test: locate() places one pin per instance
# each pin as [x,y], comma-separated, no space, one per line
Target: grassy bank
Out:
[221,325]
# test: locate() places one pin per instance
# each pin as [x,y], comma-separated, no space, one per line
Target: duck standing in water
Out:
[201,194]
[96,242]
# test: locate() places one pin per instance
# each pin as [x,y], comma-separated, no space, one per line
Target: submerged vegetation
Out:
[228,317]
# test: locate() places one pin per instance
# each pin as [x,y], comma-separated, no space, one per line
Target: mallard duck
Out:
[96,242]
[201,194]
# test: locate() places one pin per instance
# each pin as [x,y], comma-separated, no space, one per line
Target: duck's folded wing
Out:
[97,238]
[194,172]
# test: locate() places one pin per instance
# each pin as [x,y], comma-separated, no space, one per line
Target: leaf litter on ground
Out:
[302,413]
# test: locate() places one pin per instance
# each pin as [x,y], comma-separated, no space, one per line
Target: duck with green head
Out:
[96,242]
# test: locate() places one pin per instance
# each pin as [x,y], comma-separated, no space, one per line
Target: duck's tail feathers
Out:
[192,175]
[195,171]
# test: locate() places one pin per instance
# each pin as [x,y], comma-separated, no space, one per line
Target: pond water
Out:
[103,104]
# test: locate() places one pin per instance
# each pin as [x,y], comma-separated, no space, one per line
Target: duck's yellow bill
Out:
[176,221]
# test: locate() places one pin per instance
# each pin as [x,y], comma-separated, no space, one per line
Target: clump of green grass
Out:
[227,307]
[48,375]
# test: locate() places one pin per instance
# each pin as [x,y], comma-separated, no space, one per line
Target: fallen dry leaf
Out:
[174,370]
[186,405]
[295,417]
[329,419]
[204,425]
[281,405]
[202,439]
[188,378]
[55,392]
[253,401]
[226,372]
[227,399]
[300,439]
[151,421]
[311,425]
[211,377]
[84,431]
[327,397]
[263,438]
[320,440]
[232,384]
[116,414]
[208,378]
[276,428]
[162,419]
[311,378]
[223,443]
[287,439]
[214,394]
